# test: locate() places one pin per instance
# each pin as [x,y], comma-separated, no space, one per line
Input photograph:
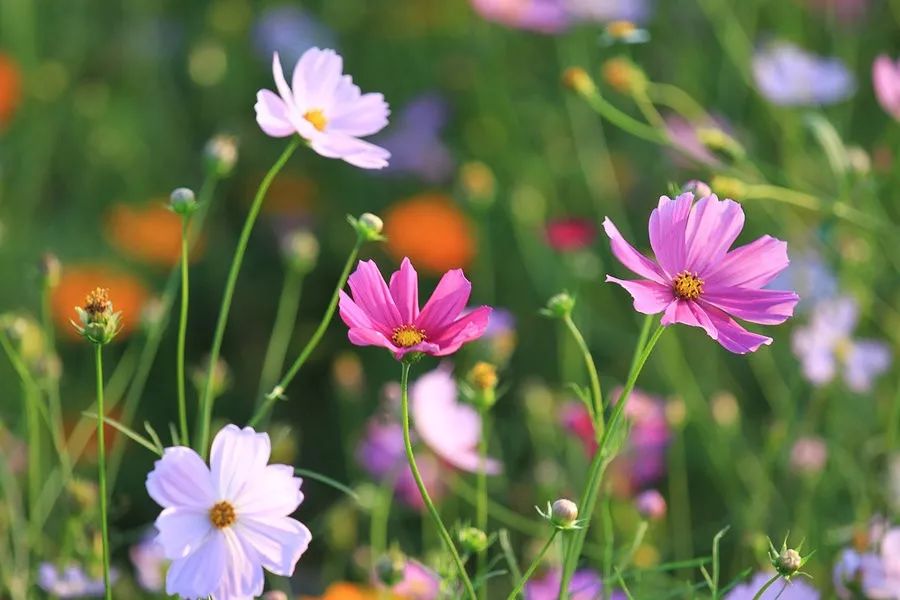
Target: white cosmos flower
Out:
[222,524]
[326,109]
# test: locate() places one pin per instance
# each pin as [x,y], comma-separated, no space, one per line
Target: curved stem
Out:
[282,329]
[596,393]
[532,567]
[182,334]
[407,443]
[101,469]
[206,401]
[481,502]
[768,584]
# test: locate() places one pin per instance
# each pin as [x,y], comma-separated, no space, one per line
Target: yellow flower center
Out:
[687,286]
[222,515]
[317,118]
[407,336]
[620,29]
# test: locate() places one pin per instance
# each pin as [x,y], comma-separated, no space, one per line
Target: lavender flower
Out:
[415,142]
[290,31]
[71,582]
[585,585]
[790,76]
[150,564]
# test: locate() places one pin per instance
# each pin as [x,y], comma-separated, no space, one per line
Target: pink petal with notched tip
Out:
[628,256]
[446,303]
[732,336]
[767,307]
[469,327]
[690,313]
[752,265]
[712,227]
[404,288]
[667,233]
[649,297]
[358,153]
[272,115]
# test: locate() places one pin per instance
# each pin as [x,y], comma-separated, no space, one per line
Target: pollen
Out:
[407,336]
[222,515]
[687,286]
[97,302]
[317,118]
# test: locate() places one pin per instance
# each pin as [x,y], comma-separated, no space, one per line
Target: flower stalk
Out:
[101,469]
[517,591]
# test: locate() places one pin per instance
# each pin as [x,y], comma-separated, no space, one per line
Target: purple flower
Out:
[223,524]
[808,455]
[886,80]
[71,582]
[290,31]
[415,140]
[326,109]
[501,323]
[810,276]
[651,505]
[635,11]
[696,280]
[150,563]
[788,75]
[418,583]
[825,345]
[542,16]
[795,589]
[875,573]
[449,428]
[585,585]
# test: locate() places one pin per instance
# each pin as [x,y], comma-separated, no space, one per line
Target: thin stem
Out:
[53,397]
[101,469]
[481,502]
[273,396]
[206,401]
[768,584]
[282,329]
[601,460]
[410,457]
[596,392]
[182,333]
[532,567]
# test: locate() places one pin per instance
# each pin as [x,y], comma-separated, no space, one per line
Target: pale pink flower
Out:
[326,109]
[696,280]
[389,316]
[886,81]
[222,525]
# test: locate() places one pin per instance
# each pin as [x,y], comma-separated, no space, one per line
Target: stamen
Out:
[317,118]
[407,336]
[97,302]
[222,515]
[687,286]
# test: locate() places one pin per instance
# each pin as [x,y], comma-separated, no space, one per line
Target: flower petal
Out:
[445,304]
[732,336]
[244,577]
[181,479]
[236,459]
[866,360]
[358,153]
[199,574]
[278,543]
[281,84]
[689,313]
[768,307]
[182,530]
[752,265]
[358,116]
[712,227]
[272,115]
[405,291]
[467,328]
[315,78]
[668,222]
[372,295]
[649,297]
[274,492]
[351,313]
[628,256]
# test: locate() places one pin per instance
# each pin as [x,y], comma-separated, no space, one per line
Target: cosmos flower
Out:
[542,16]
[326,109]
[570,234]
[150,233]
[432,230]
[825,345]
[607,11]
[71,582]
[150,564]
[290,31]
[448,427]
[886,81]
[872,572]
[790,76]
[585,585]
[696,280]
[378,315]
[418,583]
[651,505]
[414,140]
[795,589]
[808,455]
[223,524]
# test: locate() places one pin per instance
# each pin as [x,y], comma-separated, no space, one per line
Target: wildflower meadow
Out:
[450,300]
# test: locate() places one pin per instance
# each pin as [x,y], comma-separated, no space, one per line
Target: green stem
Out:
[481,505]
[206,401]
[600,461]
[532,567]
[53,396]
[407,443]
[596,392]
[768,584]
[182,333]
[282,329]
[101,469]
[277,392]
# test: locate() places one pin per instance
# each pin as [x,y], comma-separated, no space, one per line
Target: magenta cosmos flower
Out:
[696,280]
[326,109]
[886,80]
[222,524]
[389,316]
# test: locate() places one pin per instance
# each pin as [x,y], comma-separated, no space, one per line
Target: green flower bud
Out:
[221,154]
[473,540]
[99,324]
[390,568]
[183,202]
[301,250]
[559,306]
[562,514]
[368,227]
[51,269]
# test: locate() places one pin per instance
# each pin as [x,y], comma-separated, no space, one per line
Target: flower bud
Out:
[700,189]
[483,381]
[221,377]
[560,306]
[720,143]
[725,409]
[368,227]
[390,568]
[578,80]
[789,562]
[99,324]
[473,540]
[623,75]
[477,181]
[563,514]
[182,201]
[808,455]
[651,505]
[221,154]
[51,269]
[301,250]
[729,187]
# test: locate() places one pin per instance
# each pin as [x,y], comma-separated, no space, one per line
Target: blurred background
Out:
[497,168]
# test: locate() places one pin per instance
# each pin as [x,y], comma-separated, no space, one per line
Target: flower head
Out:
[826,345]
[542,16]
[326,109]
[585,585]
[788,75]
[886,80]
[97,321]
[389,316]
[571,234]
[432,230]
[808,455]
[71,582]
[696,280]
[223,524]
[150,564]
[79,281]
[795,589]
[651,505]
[418,583]
[414,140]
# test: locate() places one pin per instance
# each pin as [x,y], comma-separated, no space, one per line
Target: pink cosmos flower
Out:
[886,81]
[222,524]
[379,315]
[570,234]
[696,280]
[326,109]
[542,16]
[651,505]
[418,583]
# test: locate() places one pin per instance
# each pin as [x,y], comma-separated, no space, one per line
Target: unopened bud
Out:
[482,379]
[564,514]
[478,182]
[623,75]
[368,227]
[51,269]
[221,154]
[301,250]
[578,80]
[473,540]
[700,189]
[98,323]
[789,562]
[390,568]
[182,201]
[274,595]
[560,306]
[650,505]
[729,187]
